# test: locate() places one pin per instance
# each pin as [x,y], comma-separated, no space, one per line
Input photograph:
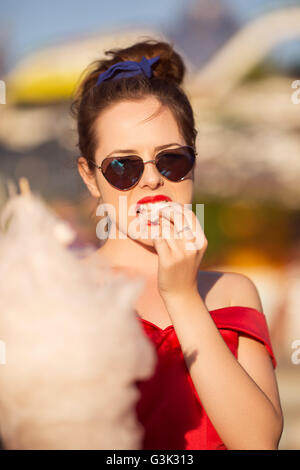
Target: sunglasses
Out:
[125,172]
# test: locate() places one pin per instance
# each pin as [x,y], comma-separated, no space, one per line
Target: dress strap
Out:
[246,320]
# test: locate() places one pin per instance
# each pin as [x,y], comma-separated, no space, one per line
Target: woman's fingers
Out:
[161,246]
[181,218]
[179,258]
[168,233]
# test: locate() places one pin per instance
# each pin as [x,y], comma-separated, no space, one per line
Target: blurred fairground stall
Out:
[247,173]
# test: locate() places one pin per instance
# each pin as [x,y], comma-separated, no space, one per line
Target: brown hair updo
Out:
[167,76]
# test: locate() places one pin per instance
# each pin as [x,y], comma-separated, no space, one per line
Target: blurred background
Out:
[243,64]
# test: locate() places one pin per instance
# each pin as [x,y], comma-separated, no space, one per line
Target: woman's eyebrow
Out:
[160,147]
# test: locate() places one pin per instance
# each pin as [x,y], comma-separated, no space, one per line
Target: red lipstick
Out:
[152,199]
[157,198]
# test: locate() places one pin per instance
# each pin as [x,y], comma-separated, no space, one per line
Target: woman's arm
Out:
[240,396]
[244,293]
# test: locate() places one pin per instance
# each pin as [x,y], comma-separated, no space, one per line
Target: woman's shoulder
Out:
[243,291]
[229,288]
[228,276]
[242,309]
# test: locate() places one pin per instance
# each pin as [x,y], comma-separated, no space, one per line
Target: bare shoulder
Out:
[212,289]
[231,288]
[243,291]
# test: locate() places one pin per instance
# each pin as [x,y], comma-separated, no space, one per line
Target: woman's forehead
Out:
[128,115]
[123,128]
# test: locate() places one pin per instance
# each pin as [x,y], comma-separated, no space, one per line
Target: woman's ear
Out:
[88,177]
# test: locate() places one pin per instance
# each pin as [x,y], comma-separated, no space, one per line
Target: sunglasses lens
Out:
[175,164]
[122,172]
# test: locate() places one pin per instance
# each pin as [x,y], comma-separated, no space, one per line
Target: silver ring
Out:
[183,229]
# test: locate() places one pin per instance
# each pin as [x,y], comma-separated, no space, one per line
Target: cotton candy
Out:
[73,344]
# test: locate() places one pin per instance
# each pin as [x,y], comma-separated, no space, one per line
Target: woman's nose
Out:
[151,176]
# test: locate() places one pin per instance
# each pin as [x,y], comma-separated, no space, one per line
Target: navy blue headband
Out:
[130,68]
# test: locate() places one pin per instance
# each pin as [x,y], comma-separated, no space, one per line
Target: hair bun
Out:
[170,66]
[91,100]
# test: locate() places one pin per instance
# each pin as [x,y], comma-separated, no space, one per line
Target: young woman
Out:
[214,386]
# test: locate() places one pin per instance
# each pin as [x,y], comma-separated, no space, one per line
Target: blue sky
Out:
[33,23]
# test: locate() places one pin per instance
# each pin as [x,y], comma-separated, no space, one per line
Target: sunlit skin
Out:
[226,386]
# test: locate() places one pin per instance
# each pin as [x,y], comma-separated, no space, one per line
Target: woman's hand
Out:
[180,252]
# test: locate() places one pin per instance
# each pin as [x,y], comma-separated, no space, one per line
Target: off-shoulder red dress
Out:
[169,408]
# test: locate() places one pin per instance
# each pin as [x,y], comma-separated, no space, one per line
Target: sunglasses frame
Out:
[154,161]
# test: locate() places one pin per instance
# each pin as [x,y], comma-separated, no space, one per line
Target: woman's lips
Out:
[147,208]
[150,210]
[157,198]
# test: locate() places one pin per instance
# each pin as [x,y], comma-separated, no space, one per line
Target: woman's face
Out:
[142,126]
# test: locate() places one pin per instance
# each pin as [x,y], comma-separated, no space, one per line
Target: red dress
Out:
[169,407]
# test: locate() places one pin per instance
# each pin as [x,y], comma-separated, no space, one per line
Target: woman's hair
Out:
[167,75]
